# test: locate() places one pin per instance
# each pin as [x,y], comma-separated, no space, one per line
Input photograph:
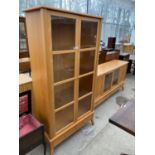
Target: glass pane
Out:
[85,85]
[84,105]
[107,82]
[88,34]
[22,32]
[63,33]
[64,117]
[116,76]
[64,94]
[87,61]
[63,66]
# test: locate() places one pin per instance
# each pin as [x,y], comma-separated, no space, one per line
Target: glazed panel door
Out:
[73,60]
[63,61]
[87,60]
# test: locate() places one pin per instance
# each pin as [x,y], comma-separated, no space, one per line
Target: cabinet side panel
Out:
[96,61]
[39,63]
[123,71]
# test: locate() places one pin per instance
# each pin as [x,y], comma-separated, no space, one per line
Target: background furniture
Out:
[24,62]
[110,78]
[111,42]
[108,56]
[128,48]
[24,65]
[113,55]
[124,56]
[63,49]
[102,57]
[125,117]
[25,83]
[31,131]
[23,42]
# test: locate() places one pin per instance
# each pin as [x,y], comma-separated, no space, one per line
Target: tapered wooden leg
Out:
[122,88]
[92,121]
[51,149]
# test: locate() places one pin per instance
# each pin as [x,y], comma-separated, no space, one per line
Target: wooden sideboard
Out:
[110,78]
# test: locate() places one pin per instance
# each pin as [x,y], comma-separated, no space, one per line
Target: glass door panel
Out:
[63,33]
[64,117]
[63,66]
[84,105]
[87,61]
[85,85]
[107,82]
[63,94]
[115,77]
[88,34]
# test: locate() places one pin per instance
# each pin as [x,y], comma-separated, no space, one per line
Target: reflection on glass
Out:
[88,34]
[63,94]
[84,105]
[107,82]
[115,78]
[85,85]
[64,117]
[63,65]
[87,61]
[63,33]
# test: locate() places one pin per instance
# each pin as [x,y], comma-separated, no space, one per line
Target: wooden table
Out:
[125,118]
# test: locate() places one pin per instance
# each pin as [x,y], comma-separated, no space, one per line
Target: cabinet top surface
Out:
[60,10]
[24,78]
[110,66]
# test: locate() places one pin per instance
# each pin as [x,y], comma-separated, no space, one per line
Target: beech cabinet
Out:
[110,78]
[63,49]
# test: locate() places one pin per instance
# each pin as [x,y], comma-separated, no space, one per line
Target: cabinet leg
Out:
[92,121]
[51,149]
[122,88]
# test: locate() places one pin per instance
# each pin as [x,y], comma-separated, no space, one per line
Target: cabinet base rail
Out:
[67,132]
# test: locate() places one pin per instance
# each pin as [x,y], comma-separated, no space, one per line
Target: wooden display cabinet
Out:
[63,48]
[110,78]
